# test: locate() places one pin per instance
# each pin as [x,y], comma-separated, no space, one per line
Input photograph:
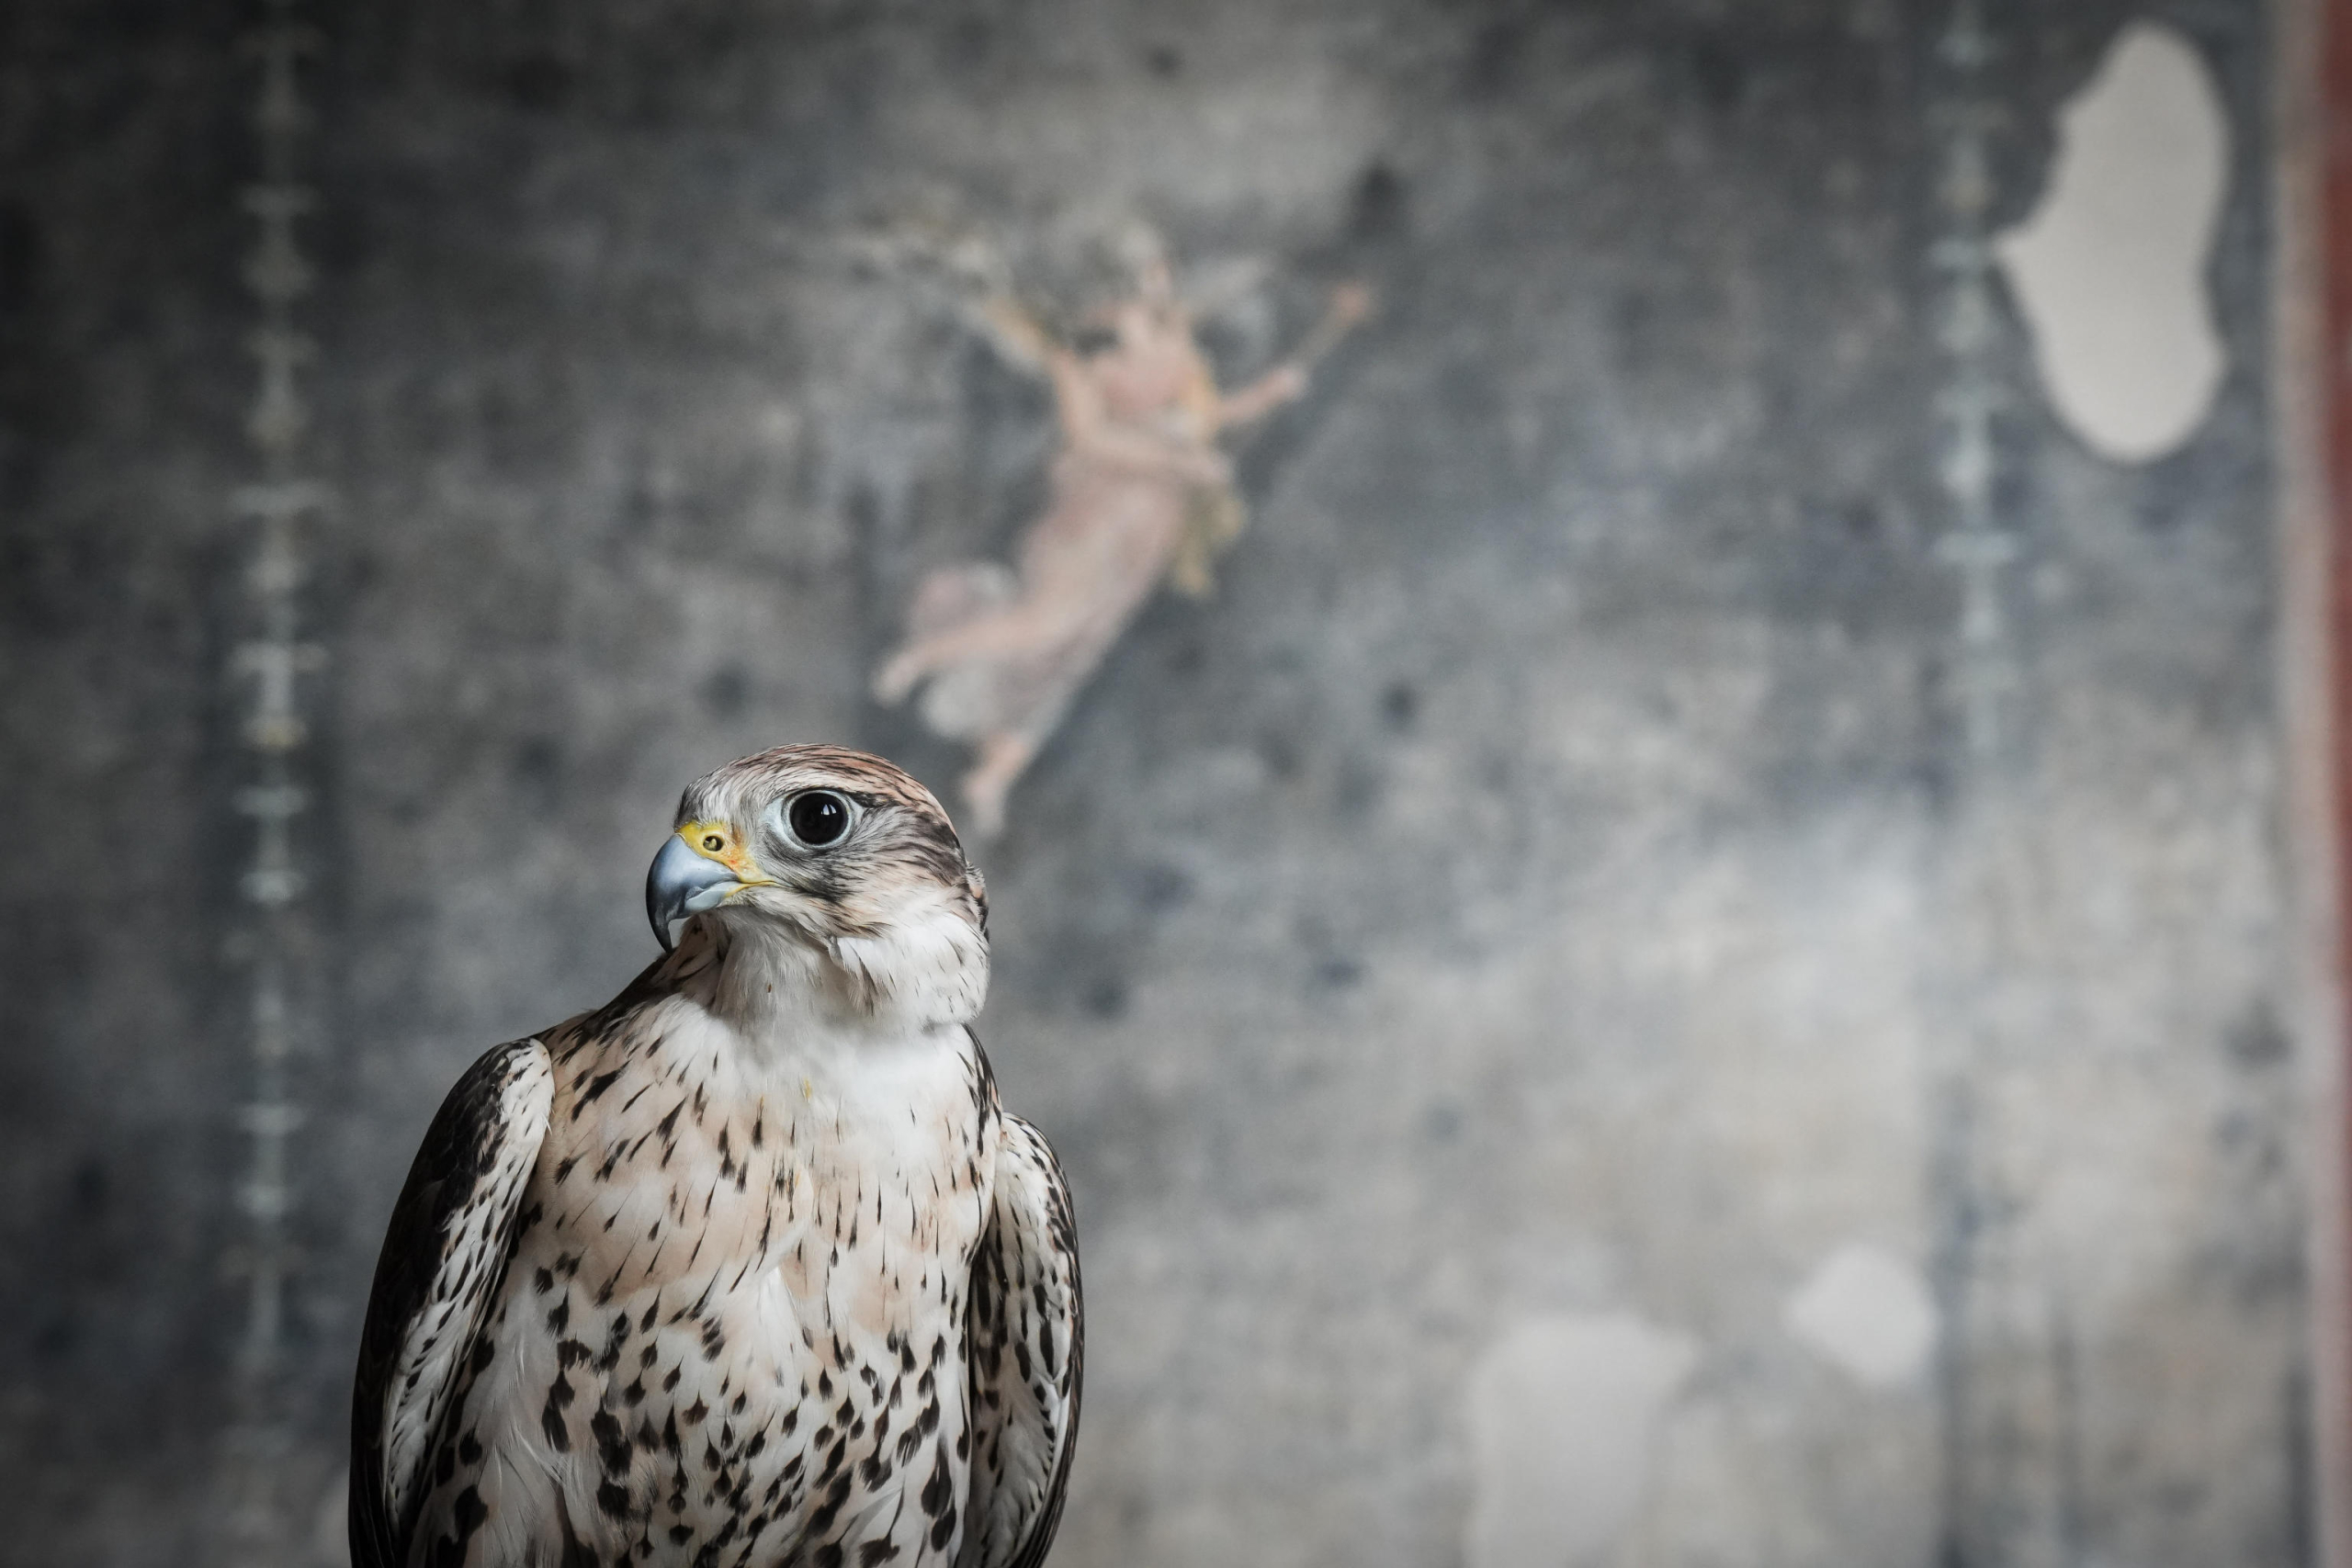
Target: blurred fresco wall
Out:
[1682,964]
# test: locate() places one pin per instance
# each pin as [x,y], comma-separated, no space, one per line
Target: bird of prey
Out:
[746,1268]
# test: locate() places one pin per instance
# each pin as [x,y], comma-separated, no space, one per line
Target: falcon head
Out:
[836,854]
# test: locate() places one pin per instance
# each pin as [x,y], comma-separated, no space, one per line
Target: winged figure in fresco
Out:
[1142,492]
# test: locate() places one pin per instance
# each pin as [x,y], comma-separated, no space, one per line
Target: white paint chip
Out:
[2110,270]
[1564,1414]
[1867,1313]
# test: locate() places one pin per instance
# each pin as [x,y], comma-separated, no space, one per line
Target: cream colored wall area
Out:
[1683,957]
[2110,270]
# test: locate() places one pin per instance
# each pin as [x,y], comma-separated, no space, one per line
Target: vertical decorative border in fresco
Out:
[274,665]
[1975,543]
[2312,336]
[1961,316]
[2005,1367]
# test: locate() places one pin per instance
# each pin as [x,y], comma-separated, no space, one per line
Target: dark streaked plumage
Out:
[746,1268]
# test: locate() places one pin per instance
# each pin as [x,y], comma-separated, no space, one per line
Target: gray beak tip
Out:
[682,883]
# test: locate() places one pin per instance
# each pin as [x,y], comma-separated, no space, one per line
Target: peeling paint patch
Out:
[1564,1418]
[1867,1313]
[2110,267]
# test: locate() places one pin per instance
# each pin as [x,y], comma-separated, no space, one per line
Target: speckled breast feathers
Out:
[748,1266]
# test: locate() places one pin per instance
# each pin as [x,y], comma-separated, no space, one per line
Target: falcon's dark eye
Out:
[817,817]
[713,842]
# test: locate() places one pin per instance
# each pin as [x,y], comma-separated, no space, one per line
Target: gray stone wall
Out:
[1543,990]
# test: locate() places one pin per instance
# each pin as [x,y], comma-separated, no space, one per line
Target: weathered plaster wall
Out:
[1547,911]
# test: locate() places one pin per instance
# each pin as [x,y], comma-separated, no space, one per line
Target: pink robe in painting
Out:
[1140,494]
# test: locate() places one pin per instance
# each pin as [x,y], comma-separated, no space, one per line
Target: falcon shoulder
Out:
[444,1255]
[1025,1343]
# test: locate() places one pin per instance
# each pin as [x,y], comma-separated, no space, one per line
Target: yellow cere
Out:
[716,840]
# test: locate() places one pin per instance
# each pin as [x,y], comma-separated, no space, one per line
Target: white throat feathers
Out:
[766,977]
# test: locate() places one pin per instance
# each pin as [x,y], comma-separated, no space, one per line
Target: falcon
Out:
[746,1268]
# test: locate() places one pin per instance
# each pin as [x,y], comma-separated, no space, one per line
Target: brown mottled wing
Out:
[451,1234]
[1026,1346]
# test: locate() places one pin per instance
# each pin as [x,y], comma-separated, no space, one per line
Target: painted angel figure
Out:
[1140,493]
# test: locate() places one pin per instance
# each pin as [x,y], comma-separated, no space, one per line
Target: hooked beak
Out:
[684,882]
